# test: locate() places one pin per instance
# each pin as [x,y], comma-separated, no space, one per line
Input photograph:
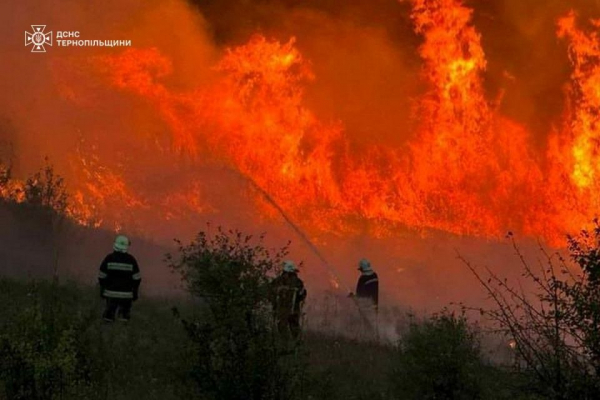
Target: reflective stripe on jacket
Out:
[117,295]
[119,276]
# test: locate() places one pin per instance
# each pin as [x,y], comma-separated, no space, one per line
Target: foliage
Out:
[54,344]
[239,355]
[5,168]
[438,359]
[7,191]
[44,189]
[5,177]
[47,190]
[150,358]
[43,354]
[555,331]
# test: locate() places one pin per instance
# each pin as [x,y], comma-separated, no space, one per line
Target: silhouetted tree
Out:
[555,329]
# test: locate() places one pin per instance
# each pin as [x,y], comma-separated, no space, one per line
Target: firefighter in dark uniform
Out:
[119,279]
[367,288]
[367,298]
[288,295]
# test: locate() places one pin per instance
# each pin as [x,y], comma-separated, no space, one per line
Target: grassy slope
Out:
[149,357]
[144,359]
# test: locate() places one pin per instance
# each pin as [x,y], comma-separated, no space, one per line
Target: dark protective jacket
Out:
[119,276]
[368,287]
[287,293]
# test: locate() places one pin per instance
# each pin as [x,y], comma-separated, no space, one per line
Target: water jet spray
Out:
[330,269]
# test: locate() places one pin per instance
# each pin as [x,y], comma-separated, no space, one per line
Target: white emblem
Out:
[38,38]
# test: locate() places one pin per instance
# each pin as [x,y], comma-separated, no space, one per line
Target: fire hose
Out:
[330,269]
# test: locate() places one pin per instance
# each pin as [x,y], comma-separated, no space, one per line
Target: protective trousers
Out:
[120,307]
[288,324]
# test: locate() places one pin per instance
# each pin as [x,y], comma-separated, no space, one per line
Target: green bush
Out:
[54,345]
[438,359]
[238,352]
[43,352]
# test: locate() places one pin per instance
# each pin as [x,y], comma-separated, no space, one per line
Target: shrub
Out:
[438,359]
[6,153]
[556,328]
[8,192]
[47,190]
[5,176]
[43,352]
[238,353]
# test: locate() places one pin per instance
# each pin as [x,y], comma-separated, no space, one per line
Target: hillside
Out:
[52,339]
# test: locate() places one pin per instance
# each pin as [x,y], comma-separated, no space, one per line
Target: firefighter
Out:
[367,299]
[119,279]
[367,288]
[288,294]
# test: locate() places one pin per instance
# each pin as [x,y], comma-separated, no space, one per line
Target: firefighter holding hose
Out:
[287,296]
[119,279]
[367,288]
[367,297]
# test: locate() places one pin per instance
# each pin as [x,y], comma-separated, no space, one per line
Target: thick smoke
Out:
[51,104]
[364,56]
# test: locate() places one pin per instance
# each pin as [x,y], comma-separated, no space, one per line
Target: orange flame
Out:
[469,170]
[584,52]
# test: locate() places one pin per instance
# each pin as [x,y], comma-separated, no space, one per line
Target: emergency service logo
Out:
[37,39]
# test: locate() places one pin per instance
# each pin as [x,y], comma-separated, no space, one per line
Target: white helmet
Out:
[364,265]
[289,266]
[121,244]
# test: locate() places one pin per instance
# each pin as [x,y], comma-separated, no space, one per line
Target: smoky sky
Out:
[364,55]
[366,51]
